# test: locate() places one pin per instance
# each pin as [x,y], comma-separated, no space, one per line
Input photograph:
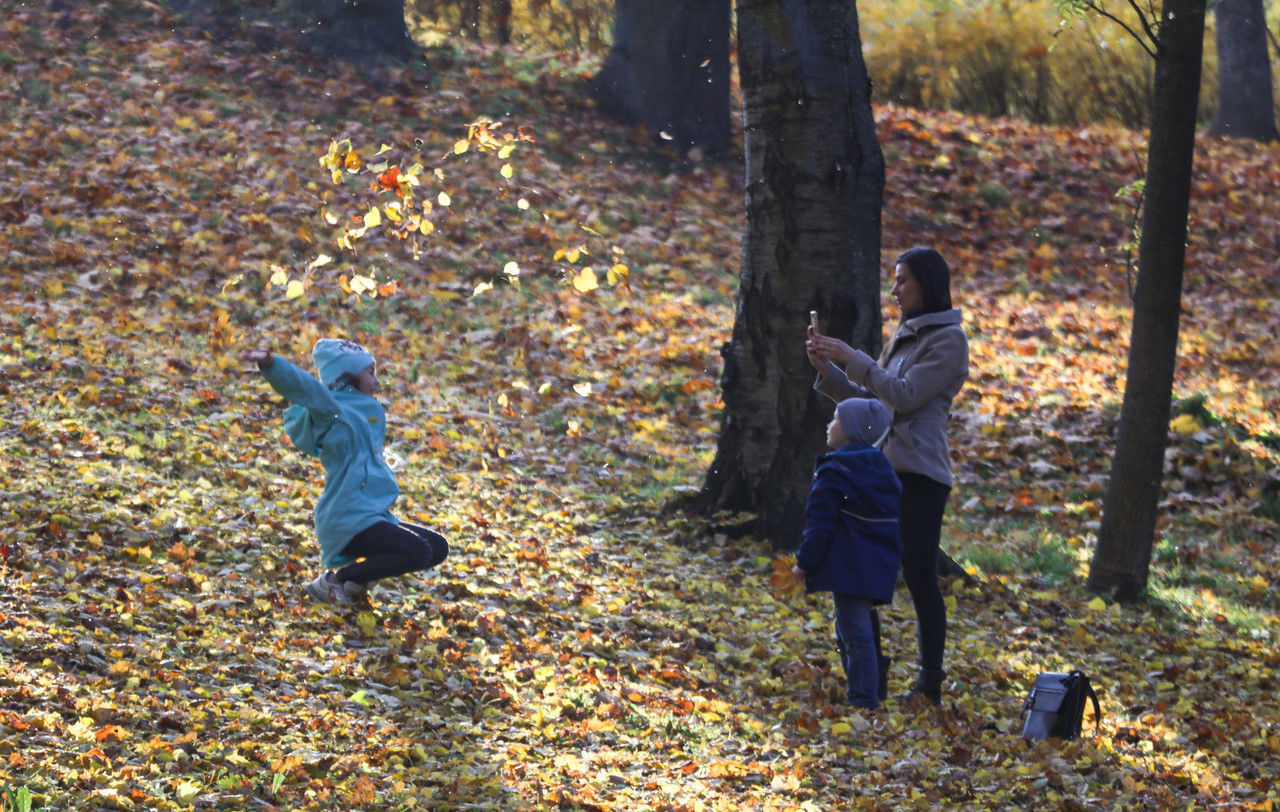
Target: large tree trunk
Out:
[1245,102]
[1127,532]
[361,31]
[815,181]
[668,70]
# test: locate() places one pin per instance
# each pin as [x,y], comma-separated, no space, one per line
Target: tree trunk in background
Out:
[815,183]
[502,21]
[361,31]
[1245,102]
[669,71]
[1125,538]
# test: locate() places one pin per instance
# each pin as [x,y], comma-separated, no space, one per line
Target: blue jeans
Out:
[857,641]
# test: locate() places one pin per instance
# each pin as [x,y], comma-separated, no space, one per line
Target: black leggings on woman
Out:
[389,550]
[920,521]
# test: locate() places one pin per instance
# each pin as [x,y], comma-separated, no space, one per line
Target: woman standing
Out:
[918,374]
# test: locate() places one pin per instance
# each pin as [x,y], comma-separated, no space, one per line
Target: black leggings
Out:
[920,519]
[389,550]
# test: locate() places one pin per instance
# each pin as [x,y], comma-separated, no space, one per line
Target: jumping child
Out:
[850,545]
[337,419]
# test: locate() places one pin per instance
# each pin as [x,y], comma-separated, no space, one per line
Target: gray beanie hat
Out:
[864,420]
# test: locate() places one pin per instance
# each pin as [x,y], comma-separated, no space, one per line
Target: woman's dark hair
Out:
[933,276]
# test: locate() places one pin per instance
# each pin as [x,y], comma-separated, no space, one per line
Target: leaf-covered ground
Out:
[584,647]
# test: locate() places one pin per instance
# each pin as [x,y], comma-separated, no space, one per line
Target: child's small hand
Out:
[797,571]
[262,357]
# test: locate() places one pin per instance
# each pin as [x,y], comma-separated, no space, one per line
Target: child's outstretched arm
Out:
[296,385]
[260,357]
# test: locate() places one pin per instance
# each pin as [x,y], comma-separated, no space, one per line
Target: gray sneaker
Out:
[357,593]
[325,590]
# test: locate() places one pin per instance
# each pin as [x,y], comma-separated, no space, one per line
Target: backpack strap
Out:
[1097,710]
[1091,695]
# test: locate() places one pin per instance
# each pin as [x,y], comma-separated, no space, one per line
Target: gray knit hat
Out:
[864,420]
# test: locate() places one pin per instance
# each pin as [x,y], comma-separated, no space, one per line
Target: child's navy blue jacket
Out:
[851,542]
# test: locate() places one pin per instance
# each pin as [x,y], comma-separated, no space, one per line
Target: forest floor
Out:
[587,645]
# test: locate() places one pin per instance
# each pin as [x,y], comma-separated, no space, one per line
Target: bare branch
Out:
[1149,42]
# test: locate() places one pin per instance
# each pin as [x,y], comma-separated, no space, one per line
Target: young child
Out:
[850,545]
[337,419]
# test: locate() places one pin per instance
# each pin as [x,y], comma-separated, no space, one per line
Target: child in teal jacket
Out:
[337,420]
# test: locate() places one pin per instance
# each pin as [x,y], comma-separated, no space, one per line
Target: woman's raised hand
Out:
[822,349]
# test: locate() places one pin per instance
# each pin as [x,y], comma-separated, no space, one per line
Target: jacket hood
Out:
[940,319]
[866,470]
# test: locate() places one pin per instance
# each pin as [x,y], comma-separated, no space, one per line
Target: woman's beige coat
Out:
[918,375]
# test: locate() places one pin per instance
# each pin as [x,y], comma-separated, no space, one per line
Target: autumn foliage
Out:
[587,646]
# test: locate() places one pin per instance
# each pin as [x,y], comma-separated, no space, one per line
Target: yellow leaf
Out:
[506,171]
[362,284]
[586,281]
[318,262]
[506,151]
[583,388]
[1097,604]
[572,254]
[186,792]
[443,198]
[295,289]
[460,147]
[232,282]
[1185,425]
[522,204]
[373,218]
[367,622]
[841,729]
[483,287]
[134,452]
[618,273]
[511,268]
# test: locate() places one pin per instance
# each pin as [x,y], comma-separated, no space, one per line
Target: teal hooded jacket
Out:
[345,429]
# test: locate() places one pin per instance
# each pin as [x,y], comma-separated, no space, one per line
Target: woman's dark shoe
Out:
[883,690]
[928,688]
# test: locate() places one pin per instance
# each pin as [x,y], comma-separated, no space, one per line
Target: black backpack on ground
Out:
[1055,706]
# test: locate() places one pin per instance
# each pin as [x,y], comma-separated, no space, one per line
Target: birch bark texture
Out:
[814,188]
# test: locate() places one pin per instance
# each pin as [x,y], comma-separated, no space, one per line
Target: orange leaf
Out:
[390,179]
